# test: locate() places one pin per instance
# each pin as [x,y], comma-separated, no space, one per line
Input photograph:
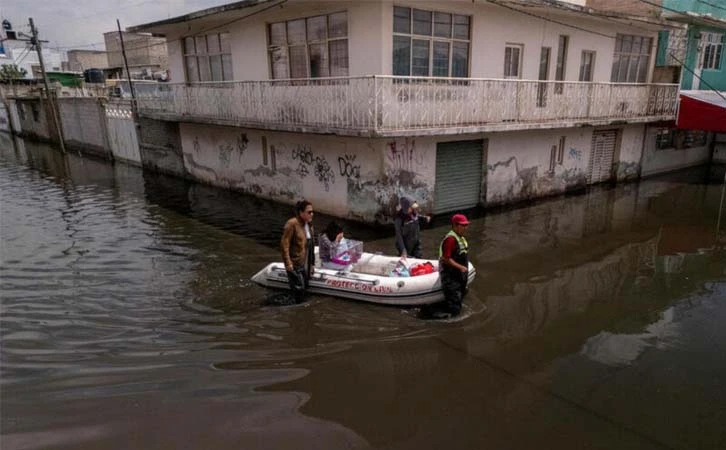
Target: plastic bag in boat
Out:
[348,251]
[400,270]
[421,269]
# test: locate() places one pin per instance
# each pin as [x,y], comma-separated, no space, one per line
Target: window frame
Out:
[589,76]
[411,35]
[329,39]
[563,48]
[226,68]
[624,51]
[509,61]
[712,55]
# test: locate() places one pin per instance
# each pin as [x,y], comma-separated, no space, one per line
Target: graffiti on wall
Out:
[324,172]
[575,154]
[226,149]
[402,155]
[307,161]
[348,167]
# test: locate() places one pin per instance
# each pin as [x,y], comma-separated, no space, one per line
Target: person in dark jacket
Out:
[408,229]
[298,253]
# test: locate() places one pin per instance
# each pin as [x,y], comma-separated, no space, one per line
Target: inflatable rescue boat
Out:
[370,277]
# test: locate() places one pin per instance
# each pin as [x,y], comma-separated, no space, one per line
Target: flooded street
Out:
[128,321]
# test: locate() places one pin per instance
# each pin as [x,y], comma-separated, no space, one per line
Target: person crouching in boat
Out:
[297,249]
[453,270]
[329,244]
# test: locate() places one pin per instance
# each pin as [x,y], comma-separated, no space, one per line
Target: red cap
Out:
[459,219]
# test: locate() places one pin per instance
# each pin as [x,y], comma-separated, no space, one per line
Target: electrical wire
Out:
[494,2]
[697,76]
[711,4]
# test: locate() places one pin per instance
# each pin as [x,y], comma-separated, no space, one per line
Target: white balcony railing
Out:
[380,105]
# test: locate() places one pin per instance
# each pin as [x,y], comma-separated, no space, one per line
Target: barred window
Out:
[669,138]
[631,59]
[312,47]
[712,50]
[428,43]
[208,58]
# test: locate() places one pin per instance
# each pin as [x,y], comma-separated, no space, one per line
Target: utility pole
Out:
[128,74]
[54,112]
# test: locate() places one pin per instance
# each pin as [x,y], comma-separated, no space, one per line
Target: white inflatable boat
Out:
[370,279]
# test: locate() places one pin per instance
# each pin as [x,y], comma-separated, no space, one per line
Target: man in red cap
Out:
[453,270]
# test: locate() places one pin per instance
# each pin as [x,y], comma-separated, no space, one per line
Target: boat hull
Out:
[362,285]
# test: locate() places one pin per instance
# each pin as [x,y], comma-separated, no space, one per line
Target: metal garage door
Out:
[458,175]
[600,167]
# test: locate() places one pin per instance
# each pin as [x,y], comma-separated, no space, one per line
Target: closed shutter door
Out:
[600,167]
[458,175]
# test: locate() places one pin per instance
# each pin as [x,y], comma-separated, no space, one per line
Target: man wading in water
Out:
[297,249]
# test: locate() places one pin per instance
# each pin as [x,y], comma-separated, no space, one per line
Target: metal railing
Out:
[380,104]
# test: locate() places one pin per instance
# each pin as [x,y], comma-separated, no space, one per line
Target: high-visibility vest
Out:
[461,255]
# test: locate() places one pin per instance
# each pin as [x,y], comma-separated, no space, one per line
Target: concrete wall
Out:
[80,60]
[519,164]
[35,118]
[719,149]
[629,153]
[660,161]
[5,124]
[160,146]
[84,124]
[122,135]
[355,178]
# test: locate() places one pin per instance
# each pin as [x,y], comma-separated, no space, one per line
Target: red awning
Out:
[702,110]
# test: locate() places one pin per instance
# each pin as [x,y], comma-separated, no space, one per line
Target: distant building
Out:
[14,49]
[145,53]
[80,60]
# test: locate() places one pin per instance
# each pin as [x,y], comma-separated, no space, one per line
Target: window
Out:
[21,110]
[712,50]
[36,111]
[669,138]
[630,60]
[208,58]
[313,47]
[664,139]
[563,43]
[544,70]
[587,65]
[513,60]
[427,43]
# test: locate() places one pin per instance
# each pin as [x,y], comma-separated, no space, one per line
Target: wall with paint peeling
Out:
[530,164]
[356,178]
[630,152]
[657,161]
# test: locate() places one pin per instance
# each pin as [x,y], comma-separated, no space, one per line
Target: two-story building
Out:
[692,54]
[452,103]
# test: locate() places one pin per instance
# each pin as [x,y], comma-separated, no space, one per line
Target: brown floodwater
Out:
[128,321]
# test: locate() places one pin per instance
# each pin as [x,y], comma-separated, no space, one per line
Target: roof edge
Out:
[197,15]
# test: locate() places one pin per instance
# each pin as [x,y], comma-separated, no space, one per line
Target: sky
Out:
[80,24]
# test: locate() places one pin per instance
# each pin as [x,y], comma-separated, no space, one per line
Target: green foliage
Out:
[12,72]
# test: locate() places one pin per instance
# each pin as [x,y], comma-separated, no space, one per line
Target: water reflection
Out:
[127,315]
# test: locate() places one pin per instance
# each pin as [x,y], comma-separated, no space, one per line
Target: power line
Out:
[711,4]
[697,76]
[550,20]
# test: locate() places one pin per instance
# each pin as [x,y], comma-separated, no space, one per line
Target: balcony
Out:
[383,106]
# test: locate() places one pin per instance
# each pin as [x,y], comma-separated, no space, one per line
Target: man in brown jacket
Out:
[298,253]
